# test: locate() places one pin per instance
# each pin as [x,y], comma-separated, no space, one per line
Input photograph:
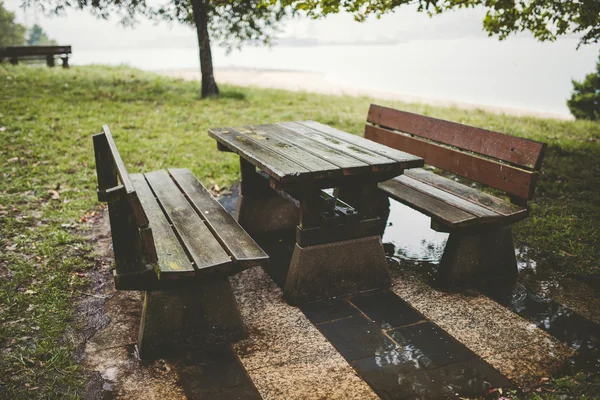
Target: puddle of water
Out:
[410,241]
[409,236]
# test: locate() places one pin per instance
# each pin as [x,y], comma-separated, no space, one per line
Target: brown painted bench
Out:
[480,243]
[174,241]
[16,53]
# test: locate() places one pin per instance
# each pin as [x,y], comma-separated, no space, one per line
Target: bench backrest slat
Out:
[517,151]
[116,164]
[501,161]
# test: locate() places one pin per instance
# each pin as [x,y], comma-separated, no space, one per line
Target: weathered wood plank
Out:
[348,164]
[515,150]
[468,193]
[138,210]
[278,167]
[472,208]
[438,210]
[228,232]
[298,154]
[198,240]
[173,263]
[106,171]
[407,160]
[376,161]
[510,179]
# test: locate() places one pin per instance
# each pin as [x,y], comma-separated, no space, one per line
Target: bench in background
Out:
[16,53]
[174,241]
[480,243]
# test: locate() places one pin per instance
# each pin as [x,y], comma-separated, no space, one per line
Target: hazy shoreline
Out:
[300,81]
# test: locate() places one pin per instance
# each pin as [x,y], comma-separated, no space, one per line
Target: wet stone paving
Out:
[410,342]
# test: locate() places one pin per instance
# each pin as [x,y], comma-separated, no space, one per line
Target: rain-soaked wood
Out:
[138,210]
[173,263]
[277,166]
[106,170]
[376,161]
[500,176]
[522,152]
[473,195]
[198,240]
[407,160]
[235,240]
[483,213]
[435,208]
[297,154]
[349,164]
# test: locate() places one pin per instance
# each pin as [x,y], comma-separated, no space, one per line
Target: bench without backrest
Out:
[14,53]
[172,239]
[480,243]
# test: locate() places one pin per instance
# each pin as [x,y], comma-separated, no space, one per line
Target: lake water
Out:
[518,73]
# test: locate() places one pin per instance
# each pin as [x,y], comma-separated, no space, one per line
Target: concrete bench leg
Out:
[334,269]
[65,62]
[475,256]
[191,318]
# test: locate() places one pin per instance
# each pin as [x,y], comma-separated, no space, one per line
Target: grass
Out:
[47,187]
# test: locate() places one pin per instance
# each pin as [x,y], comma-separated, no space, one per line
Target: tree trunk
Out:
[209,86]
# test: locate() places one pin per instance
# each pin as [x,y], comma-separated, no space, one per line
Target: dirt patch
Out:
[108,322]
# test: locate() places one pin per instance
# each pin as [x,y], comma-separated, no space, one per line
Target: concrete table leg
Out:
[198,317]
[475,256]
[259,209]
[334,269]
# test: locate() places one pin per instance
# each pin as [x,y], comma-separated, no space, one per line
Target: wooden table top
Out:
[308,151]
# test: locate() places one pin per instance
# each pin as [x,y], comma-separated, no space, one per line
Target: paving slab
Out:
[285,355]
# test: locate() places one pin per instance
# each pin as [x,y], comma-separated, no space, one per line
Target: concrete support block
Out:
[478,256]
[266,213]
[334,269]
[190,318]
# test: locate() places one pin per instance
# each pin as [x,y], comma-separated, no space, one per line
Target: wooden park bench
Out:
[16,53]
[480,243]
[174,241]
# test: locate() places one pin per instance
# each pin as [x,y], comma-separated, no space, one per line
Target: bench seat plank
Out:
[172,260]
[483,213]
[376,161]
[435,208]
[201,245]
[510,210]
[409,160]
[349,165]
[230,234]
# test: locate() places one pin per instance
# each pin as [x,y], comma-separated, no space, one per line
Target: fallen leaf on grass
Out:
[54,194]
[13,159]
[2,128]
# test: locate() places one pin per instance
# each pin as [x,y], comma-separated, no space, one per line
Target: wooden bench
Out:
[480,244]
[16,53]
[174,241]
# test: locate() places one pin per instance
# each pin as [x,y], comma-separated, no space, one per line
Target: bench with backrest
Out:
[174,241]
[16,53]
[480,244]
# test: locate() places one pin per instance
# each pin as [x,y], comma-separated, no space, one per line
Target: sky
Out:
[84,31]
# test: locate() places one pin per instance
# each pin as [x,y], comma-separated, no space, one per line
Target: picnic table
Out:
[284,169]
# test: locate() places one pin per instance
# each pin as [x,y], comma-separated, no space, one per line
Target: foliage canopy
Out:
[546,19]
[11,33]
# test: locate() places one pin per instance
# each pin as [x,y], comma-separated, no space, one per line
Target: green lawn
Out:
[47,186]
